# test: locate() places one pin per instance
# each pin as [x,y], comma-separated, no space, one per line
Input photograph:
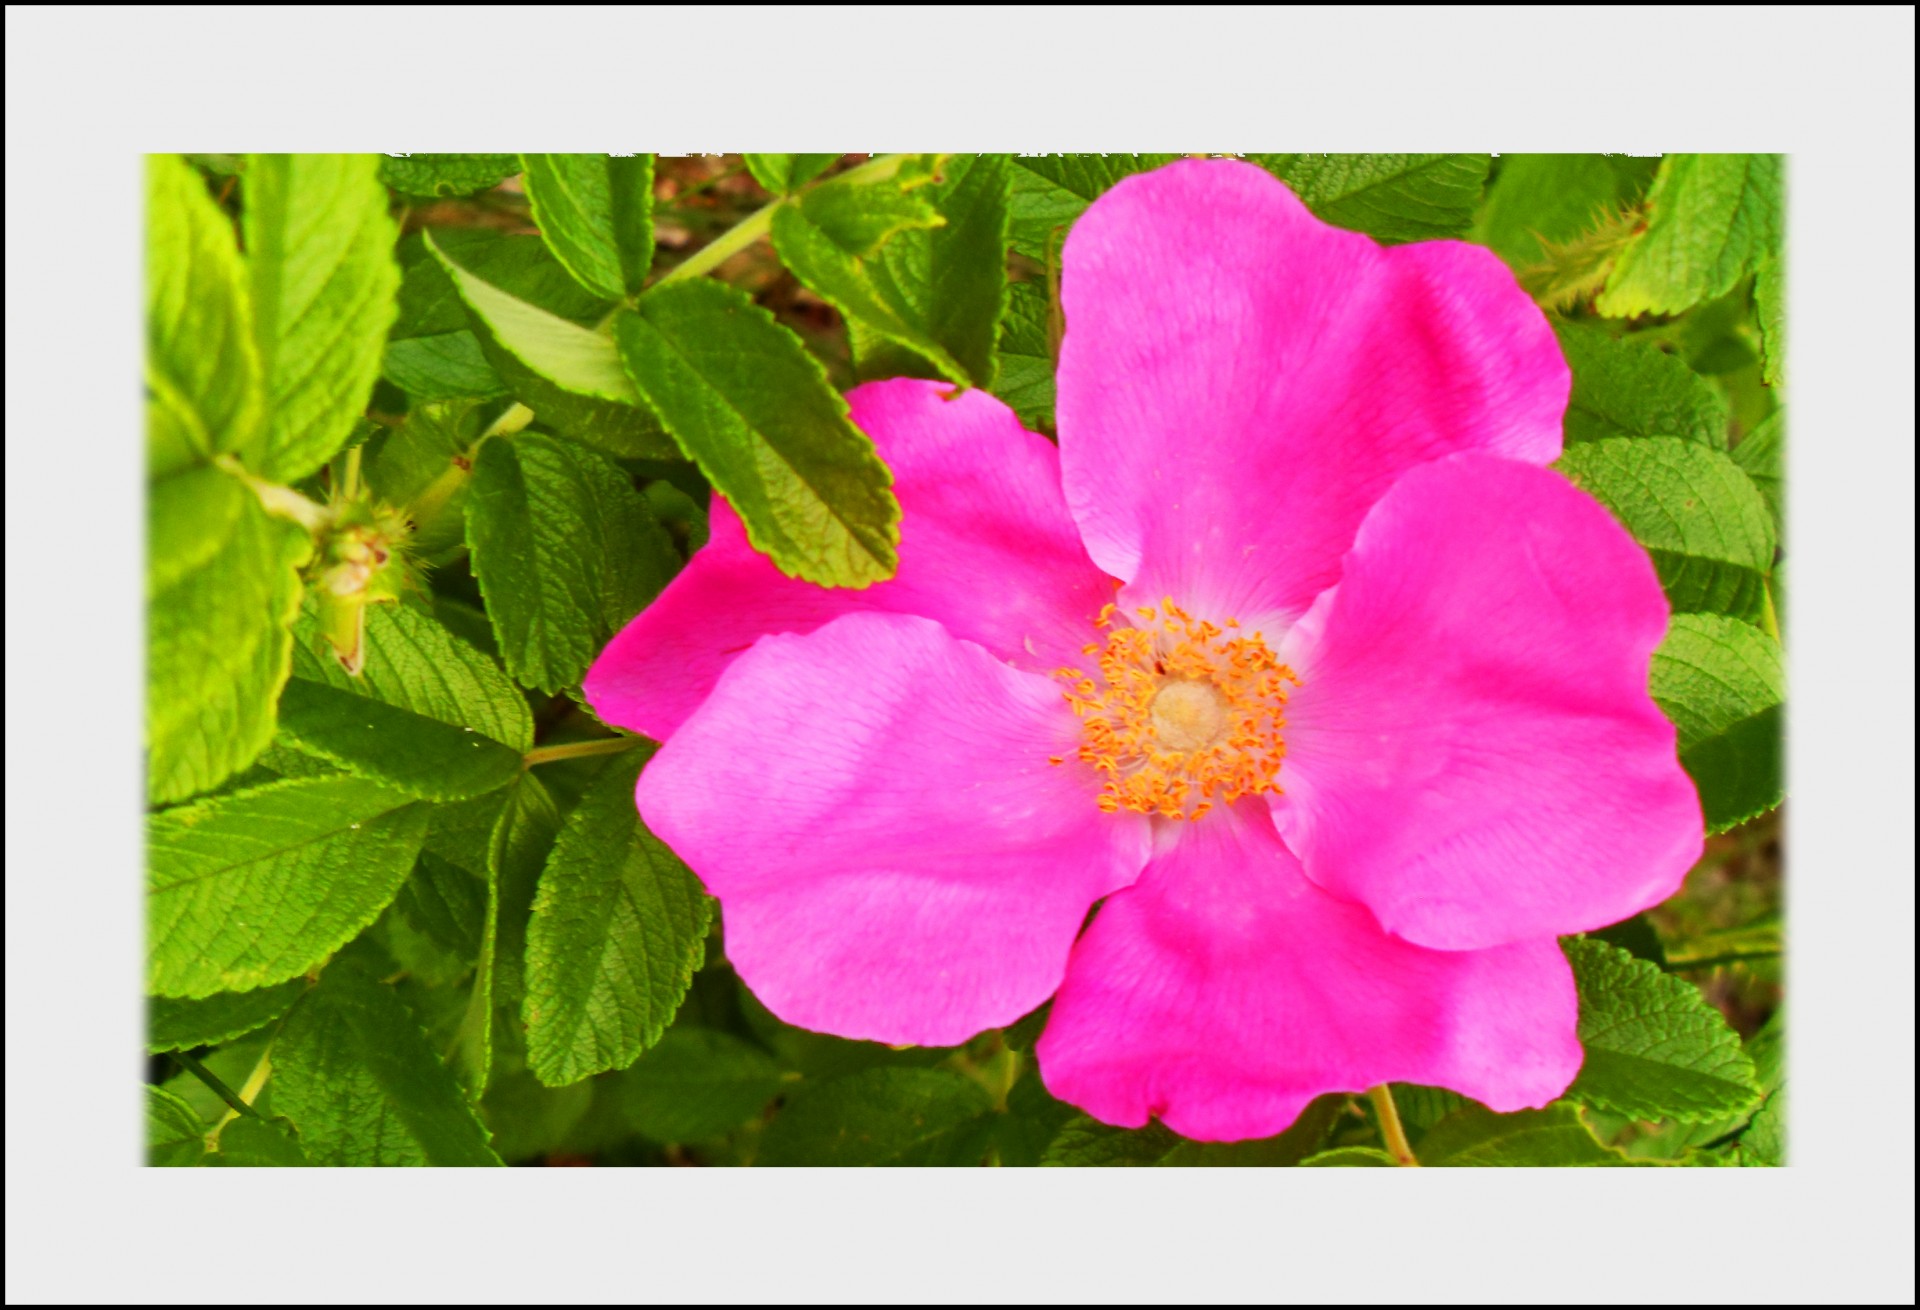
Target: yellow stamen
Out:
[1189,716]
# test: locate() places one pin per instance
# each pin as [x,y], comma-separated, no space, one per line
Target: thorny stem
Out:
[1391,1131]
[575,750]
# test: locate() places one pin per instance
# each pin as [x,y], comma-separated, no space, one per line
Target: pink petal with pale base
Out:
[1223,991]
[895,857]
[1239,382]
[1472,751]
[986,547]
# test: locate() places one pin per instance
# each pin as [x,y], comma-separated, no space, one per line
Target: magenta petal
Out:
[1239,382]
[1472,751]
[1223,991]
[986,547]
[895,857]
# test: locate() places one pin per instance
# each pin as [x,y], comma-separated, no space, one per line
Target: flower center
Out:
[1182,714]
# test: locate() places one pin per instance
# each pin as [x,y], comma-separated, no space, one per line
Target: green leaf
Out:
[444,904]
[949,283]
[1770,310]
[1555,198]
[1723,685]
[1625,388]
[569,375]
[256,887]
[837,261]
[446,174]
[755,411]
[1050,191]
[174,1024]
[1393,198]
[1655,1048]
[781,174]
[1477,1137]
[1696,512]
[565,550]
[354,1071]
[412,753]
[203,369]
[697,1084]
[175,1135]
[882,1117]
[320,262]
[1710,220]
[414,663]
[259,1143]
[619,927]
[1762,453]
[1759,939]
[222,586]
[1347,1157]
[530,1119]
[518,845]
[1025,380]
[1085,1141]
[446,366]
[595,213]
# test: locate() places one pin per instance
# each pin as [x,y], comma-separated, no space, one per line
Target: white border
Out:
[91,88]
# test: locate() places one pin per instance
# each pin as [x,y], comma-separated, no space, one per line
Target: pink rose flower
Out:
[1292,651]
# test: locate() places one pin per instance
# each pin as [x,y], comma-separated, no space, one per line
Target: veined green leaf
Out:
[412,753]
[1348,1157]
[1048,192]
[595,213]
[569,375]
[174,1024]
[1654,1048]
[413,662]
[256,887]
[222,586]
[783,173]
[698,1083]
[517,849]
[320,263]
[882,1117]
[743,397]
[1710,221]
[1696,512]
[356,1075]
[948,283]
[1627,388]
[1477,1137]
[1762,453]
[250,1142]
[1025,379]
[619,927]
[1393,198]
[1770,309]
[203,369]
[566,552]
[175,1135]
[837,261]
[446,174]
[1722,684]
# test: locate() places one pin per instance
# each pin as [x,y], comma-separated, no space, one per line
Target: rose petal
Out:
[1239,382]
[1223,991]
[1472,751]
[986,547]
[894,855]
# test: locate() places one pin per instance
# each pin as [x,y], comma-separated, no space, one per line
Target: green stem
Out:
[576,750]
[1769,621]
[1391,1131]
[212,1080]
[757,224]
